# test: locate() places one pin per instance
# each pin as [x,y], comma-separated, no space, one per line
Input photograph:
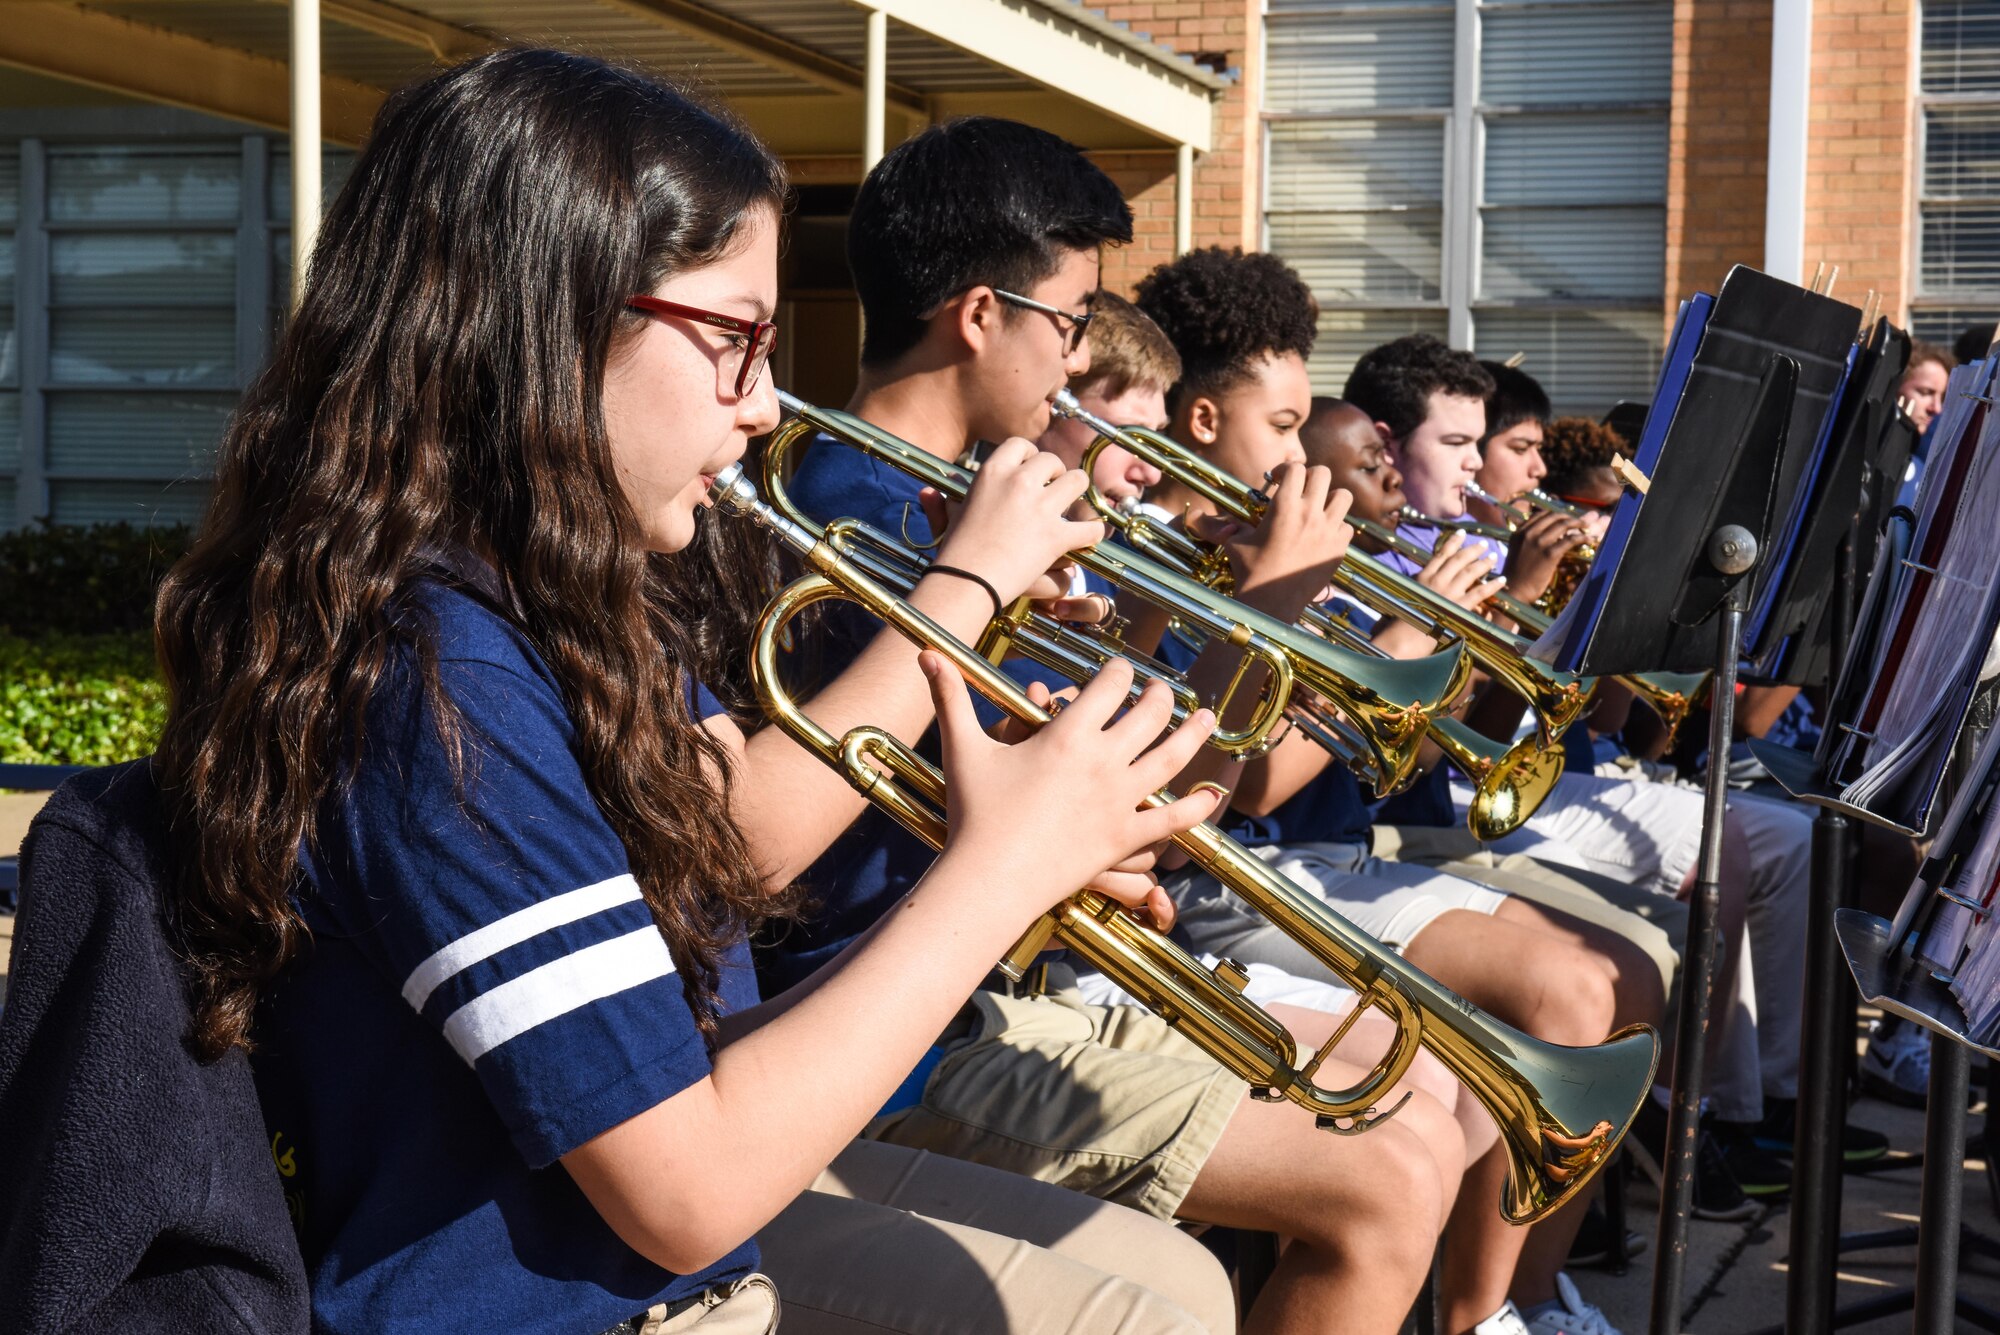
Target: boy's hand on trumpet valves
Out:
[1012,528]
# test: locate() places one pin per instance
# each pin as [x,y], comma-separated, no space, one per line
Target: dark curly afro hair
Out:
[1572,447]
[1224,310]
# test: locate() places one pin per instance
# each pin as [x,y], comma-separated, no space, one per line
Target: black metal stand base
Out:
[1940,1237]
[1822,1111]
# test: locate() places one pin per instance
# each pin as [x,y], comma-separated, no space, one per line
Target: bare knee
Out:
[1574,1001]
[1635,983]
[1433,1124]
[1399,1209]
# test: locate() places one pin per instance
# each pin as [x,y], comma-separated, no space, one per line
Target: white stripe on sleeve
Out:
[488,941]
[555,989]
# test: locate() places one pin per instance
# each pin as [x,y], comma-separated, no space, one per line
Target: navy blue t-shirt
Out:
[484,992]
[1426,801]
[876,861]
[1329,809]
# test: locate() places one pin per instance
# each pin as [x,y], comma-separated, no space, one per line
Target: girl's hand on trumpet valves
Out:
[1012,528]
[1061,808]
[1129,882]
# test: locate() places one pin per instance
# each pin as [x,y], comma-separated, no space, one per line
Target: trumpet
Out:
[1468,526]
[1387,703]
[1513,514]
[1668,694]
[1575,562]
[1510,780]
[1561,1110]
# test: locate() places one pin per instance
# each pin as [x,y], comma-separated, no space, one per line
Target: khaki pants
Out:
[891,1239]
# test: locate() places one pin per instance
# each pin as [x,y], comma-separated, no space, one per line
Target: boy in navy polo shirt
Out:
[975,248]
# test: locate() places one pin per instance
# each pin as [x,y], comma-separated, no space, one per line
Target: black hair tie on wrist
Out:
[998,607]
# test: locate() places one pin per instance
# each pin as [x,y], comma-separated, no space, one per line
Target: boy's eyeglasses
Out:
[738,367]
[1072,330]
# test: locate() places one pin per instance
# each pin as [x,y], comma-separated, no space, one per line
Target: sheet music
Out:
[1936,638]
[1967,938]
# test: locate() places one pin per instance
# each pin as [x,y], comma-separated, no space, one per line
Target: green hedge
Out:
[79,699]
[78,685]
[67,580]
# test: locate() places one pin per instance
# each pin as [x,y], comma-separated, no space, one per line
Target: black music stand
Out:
[1736,429]
[1887,981]
[1714,590]
[1886,977]
[1811,626]
[1730,432]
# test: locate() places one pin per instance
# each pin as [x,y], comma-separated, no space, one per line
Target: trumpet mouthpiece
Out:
[733,492]
[1065,404]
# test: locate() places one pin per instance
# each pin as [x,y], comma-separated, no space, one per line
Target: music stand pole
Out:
[1732,550]
[1939,1213]
[1822,1101]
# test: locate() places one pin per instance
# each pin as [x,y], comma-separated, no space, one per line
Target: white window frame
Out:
[1463,196]
[1920,300]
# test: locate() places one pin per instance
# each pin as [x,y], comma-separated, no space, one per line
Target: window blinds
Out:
[1958,199]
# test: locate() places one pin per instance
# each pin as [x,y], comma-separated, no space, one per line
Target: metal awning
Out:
[798,70]
[815,78]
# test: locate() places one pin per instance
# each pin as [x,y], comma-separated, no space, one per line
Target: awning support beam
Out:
[874,134]
[1183,199]
[305,140]
[140,60]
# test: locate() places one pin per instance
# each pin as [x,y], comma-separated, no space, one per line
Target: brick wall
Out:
[1226,186]
[1717,141]
[1859,151]
[1860,148]
[1148,182]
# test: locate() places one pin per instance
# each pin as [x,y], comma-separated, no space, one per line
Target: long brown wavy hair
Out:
[440,388]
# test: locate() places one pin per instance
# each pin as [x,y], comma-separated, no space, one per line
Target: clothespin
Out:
[1628,473]
[1513,363]
[1818,274]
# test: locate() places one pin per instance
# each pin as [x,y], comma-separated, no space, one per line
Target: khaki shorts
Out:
[747,1307]
[1106,1100]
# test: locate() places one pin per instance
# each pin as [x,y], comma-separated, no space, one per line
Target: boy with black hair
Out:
[1244,326]
[975,247]
[1577,453]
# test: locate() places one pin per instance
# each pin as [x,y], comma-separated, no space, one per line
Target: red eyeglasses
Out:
[748,350]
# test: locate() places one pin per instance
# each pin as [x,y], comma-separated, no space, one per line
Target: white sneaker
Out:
[1897,1064]
[1506,1321]
[1570,1315]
